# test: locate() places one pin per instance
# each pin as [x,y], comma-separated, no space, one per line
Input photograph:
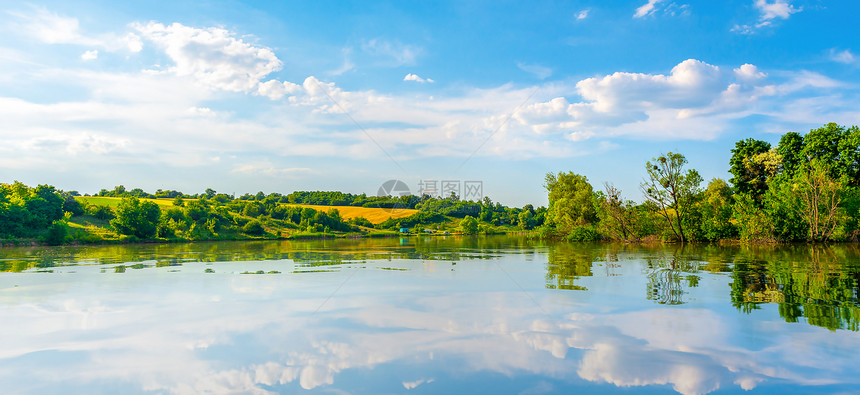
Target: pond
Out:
[429,315]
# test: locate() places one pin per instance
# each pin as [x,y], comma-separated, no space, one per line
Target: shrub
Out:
[100,212]
[136,217]
[57,232]
[253,227]
[584,233]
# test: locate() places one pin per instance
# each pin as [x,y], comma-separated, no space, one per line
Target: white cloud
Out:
[779,9]
[416,78]
[214,57]
[52,28]
[275,89]
[397,54]
[90,55]
[749,72]
[539,71]
[844,56]
[582,14]
[413,384]
[646,9]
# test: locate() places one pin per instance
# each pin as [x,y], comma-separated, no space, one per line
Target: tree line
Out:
[806,188]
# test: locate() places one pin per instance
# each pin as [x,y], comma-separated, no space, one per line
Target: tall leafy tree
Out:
[571,201]
[790,148]
[748,176]
[672,189]
[715,211]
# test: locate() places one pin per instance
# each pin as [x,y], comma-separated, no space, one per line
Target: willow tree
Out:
[671,189]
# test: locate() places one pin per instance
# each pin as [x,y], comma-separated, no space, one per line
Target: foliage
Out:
[571,201]
[254,227]
[360,221]
[819,196]
[672,190]
[469,225]
[781,212]
[749,176]
[617,218]
[25,211]
[136,217]
[100,212]
[584,233]
[57,232]
[714,211]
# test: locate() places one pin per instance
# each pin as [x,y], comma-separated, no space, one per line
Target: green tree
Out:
[715,211]
[469,225]
[525,219]
[571,201]
[819,196]
[617,218]
[752,222]
[136,217]
[672,190]
[780,206]
[790,148]
[748,176]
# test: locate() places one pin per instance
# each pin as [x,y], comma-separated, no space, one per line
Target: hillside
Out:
[374,215]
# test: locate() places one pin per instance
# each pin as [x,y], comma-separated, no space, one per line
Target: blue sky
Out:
[318,95]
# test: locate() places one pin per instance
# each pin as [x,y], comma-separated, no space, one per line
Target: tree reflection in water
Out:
[818,282]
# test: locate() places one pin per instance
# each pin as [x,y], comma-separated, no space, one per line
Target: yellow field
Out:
[114,201]
[374,215]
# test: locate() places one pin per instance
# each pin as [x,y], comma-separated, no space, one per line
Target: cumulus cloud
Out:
[582,14]
[214,57]
[749,72]
[646,9]
[275,89]
[90,55]
[416,78]
[696,100]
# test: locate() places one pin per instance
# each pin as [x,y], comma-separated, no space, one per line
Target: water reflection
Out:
[819,283]
[503,319]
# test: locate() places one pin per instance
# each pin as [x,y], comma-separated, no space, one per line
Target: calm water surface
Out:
[429,315]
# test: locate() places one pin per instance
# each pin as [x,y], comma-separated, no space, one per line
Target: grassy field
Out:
[114,201]
[374,215]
